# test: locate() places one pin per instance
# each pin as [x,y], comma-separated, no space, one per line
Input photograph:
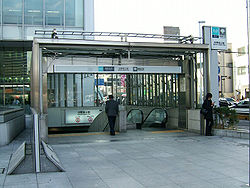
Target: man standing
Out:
[111,110]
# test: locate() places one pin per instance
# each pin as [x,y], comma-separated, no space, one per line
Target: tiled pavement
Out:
[139,159]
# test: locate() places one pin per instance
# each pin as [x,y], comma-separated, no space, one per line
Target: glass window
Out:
[14,78]
[70,13]
[242,70]
[12,11]
[33,12]
[74,13]
[241,51]
[54,12]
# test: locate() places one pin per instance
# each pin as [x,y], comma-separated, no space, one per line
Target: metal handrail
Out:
[180,39]
[36,140]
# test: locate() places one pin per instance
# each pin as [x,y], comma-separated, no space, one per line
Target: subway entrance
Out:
[76,100]
[154,83]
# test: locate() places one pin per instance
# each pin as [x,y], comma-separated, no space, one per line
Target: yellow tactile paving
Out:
[76,134]
[101,133]
[170,131]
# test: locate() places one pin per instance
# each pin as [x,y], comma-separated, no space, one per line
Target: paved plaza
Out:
[138,159]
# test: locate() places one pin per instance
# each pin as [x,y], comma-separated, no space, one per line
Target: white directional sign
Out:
[81,116]
[115,69]
[218,38]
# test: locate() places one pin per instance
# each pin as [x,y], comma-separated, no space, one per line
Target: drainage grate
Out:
[2,170]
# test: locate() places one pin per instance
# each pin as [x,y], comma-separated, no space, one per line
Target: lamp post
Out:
[248,41]
[223,78]
[200,23]
[248,49]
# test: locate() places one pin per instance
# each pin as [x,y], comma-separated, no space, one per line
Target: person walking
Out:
[208,105]
[111,110]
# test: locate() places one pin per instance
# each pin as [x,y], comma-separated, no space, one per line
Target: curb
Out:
[231,133]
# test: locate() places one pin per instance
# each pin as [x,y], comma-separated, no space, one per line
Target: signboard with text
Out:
[218,38]
[81,116]
[115,69]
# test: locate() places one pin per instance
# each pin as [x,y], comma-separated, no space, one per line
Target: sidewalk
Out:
[138,159]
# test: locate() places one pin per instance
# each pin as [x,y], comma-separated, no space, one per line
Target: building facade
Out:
[241,73]
[225,72]
[19,19]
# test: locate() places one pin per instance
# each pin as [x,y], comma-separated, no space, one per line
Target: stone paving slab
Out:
[140,159]
[20,180]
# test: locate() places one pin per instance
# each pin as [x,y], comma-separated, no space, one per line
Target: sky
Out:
[149,16]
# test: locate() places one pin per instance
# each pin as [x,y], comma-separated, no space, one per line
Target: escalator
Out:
[156,118]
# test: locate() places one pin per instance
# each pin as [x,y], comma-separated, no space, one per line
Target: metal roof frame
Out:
[64,33]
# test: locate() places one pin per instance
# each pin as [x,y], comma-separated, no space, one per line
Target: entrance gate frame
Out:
[39,70]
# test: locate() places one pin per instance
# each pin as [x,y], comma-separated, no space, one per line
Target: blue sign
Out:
[100,68]
[106,68]
[218,70]
[100,82]
[215,32]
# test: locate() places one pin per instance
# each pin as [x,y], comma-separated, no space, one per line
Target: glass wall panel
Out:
[76,90]
[14,78]
[33,12]
[200,79]
[12,11]
[78,13]
[152,89]
[70,13]
[54,12]
[157,116]
[135,116]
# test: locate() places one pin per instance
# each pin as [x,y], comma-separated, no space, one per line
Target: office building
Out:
[19,21]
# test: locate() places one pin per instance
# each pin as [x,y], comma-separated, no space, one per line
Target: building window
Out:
[14,77]
[70,13]
[74,13]
[57,12]
[12,11]
[54,12]
[230,65]
[241,51]
[242,70]
[33,12]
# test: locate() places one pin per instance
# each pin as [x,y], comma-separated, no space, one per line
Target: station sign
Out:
[100,82]
[81,116]
[218,38]
[115,69]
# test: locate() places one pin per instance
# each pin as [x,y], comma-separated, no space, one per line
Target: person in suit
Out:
[208,105]
[111,110]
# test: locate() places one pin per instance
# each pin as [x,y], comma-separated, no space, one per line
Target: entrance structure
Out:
[71,78]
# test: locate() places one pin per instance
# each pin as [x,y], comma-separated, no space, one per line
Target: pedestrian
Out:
[54,34]
[208,104]
[111,110]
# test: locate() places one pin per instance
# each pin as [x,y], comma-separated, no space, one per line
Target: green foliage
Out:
[225,117]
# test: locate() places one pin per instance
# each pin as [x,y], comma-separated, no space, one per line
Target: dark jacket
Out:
[208,106]
[111,108]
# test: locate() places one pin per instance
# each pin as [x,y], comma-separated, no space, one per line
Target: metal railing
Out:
[36,142]
[125,36]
